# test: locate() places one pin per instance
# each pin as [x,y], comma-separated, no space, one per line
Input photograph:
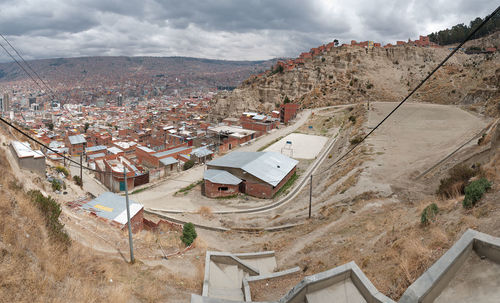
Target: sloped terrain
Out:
[353,74]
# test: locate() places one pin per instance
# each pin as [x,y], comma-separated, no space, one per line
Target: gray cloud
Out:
[224,29]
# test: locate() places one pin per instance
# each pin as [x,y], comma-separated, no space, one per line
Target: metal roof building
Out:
[221,177]
[77,139]
[269,167]
[113,207]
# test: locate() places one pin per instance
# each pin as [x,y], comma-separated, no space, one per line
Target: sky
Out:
[218,29]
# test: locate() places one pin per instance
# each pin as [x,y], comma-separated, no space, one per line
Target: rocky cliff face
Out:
[355,74]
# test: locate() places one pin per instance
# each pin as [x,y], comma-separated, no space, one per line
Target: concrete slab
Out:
[344,291]
[303,146]
[478,280]
[265,265]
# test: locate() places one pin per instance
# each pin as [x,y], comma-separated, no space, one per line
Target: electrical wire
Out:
[413,91]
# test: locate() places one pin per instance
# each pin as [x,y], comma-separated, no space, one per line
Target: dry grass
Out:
[35,268]
[206,212]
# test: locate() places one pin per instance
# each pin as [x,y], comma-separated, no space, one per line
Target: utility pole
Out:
[310,195]
[81,170]
[132,260]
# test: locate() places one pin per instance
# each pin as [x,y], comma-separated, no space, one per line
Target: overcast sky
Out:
[219,29]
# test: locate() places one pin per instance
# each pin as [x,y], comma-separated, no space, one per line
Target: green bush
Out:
[356,140]
[56,185]
[352,119]
[455,183]
[50,210]
[429,214]
[77,180]
[474,191]
[62,169]
[188,234]
[188,164]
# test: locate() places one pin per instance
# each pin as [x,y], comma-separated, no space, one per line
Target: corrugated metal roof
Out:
[202,152]
[113,207]
[146,149]
[269,167]
[99,155]
[221,177]
[168,161]
[77,139]
[114,150]
[168,152]
[95,148]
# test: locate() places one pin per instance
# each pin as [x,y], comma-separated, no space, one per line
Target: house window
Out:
[223,188]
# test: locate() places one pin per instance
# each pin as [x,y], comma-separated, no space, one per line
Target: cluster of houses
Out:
[149,142]
[290,64]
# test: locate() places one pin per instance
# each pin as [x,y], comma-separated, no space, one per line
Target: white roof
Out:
[23,150]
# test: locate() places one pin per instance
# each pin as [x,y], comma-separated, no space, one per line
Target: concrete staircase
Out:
[226,281]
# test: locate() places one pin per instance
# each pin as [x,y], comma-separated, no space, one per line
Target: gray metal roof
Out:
[95,148]
[202,152]
[113,207]
[269,167]
[77,139]
[221,177]
[168,161]
[99,155]
[169,152]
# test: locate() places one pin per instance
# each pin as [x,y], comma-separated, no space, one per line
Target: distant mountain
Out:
[178,72]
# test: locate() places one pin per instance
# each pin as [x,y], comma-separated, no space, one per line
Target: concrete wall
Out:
[36,165]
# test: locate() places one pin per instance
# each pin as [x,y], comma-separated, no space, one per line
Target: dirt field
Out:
[302,146]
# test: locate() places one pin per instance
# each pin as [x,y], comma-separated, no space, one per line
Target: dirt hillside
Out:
[354,74]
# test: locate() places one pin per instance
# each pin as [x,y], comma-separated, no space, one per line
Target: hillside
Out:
[178,72]
[353,74]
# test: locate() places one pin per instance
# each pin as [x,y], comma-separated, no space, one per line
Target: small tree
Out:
[286,100]
[188,164]
[188,234]
[86,127]
[77,180]
[474,191]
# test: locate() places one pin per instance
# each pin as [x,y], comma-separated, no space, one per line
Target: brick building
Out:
[262,174]
[76,144]
[288,111]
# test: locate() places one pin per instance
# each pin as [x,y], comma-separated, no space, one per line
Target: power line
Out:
[415,89]
[26,63]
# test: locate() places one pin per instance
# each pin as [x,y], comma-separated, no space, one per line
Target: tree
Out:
[86,127]
[336,42]
[51,126]
[286,100]
[188,234]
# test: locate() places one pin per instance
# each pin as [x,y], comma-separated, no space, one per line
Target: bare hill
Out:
[354,74]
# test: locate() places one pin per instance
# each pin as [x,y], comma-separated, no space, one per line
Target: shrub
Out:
[50,210]
[77,180]
[369,86]
[352,119]
[56,185]
[481,140]
[188,234]
[188,164]
[356,140]
[429,214]
[455,183]
[474,191]
[62,169]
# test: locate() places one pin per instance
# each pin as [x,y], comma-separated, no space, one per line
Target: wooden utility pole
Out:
[132,260]
[81,171]
[310,194]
